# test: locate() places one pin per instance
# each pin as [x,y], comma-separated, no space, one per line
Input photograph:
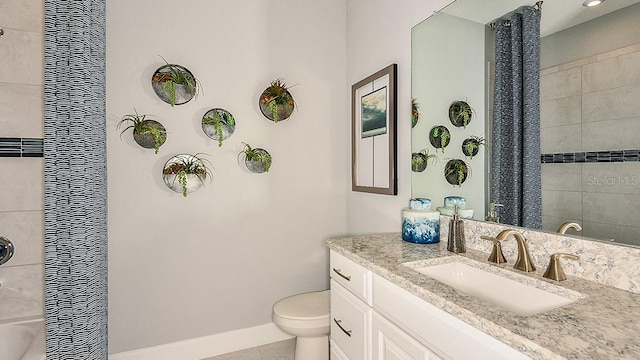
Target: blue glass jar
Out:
[420,226]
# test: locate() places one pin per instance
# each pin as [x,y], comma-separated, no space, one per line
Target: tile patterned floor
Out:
[282,350]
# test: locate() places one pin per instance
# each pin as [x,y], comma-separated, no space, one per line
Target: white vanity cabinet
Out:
[374,319]
[350,309]
[391,343]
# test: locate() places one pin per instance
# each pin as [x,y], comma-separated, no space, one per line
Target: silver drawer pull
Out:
[338,322]
[338,271]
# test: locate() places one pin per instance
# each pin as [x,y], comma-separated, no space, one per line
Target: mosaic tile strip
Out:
[592,157]
[21,147]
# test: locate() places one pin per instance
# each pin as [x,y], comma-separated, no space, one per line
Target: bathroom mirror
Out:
[590,80]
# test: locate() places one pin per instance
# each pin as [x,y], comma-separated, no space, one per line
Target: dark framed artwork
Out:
[373,133]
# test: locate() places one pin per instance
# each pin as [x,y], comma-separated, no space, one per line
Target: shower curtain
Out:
[75,180]
[515,161]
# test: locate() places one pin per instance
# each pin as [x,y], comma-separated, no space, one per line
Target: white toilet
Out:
[307,317]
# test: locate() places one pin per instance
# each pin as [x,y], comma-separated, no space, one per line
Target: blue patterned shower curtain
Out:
[75,180]
[515,162]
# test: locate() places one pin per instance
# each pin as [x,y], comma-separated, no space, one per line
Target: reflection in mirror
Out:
[589,83]
[445,71]
[515,125]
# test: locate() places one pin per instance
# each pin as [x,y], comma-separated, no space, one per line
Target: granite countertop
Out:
[604,324]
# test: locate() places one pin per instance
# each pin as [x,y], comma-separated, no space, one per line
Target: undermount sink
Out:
[505,289]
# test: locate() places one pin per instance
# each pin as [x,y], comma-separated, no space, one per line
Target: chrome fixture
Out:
[1,32]
[569,225]
[592,3]
[523,262]
[538,5]
[493,212]
[6,249]
[554,270]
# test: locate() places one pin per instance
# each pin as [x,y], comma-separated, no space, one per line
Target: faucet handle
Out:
[496,254]
[554,270]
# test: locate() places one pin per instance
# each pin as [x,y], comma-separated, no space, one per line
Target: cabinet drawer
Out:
[436,329]
[352,276]
[335,352]
[391,343]
[350,323]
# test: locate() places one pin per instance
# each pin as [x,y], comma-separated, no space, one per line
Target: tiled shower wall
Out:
[590,113]
[21,178]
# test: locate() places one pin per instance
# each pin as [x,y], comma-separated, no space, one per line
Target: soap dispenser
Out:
[493,212]
[456,241]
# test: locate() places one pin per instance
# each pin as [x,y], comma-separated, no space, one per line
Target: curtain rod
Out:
[537,6]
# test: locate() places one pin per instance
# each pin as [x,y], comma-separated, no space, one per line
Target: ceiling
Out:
[557,15]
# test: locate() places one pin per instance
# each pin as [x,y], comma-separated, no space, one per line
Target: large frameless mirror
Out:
[589,78]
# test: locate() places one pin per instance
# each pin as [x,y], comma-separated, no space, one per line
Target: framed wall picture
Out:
[373,133]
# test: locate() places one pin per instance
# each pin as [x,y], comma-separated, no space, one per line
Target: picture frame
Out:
[373,133]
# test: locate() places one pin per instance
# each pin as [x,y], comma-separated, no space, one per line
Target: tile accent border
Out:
[591,157]
[21,147]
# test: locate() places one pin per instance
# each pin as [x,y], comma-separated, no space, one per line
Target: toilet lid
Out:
[309,305]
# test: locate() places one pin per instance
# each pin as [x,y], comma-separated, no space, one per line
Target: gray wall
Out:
[590,104]
[378,34]
[21,179]
[216,261]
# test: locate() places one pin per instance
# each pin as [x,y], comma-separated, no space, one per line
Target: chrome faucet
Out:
[523,262]
[569,225]
[6,249]
[492,216]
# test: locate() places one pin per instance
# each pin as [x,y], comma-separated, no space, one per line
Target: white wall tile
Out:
[22,184]
[21,179]
[610,208]
[610,121]
[21,110]
[561,176]
[557,139]
[21,291]
[25,15]
[25,229]
[560,84]
[577,63]
[611,135]
[545,72]
[614,104]
[618,177]
[563,204]
[611,73]
[618,52]
[563,111]
[622,234]
[22,57]
[22,14]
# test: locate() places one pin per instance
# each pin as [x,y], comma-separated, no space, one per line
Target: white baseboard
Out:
[208,346]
